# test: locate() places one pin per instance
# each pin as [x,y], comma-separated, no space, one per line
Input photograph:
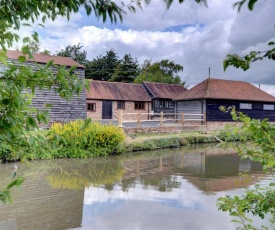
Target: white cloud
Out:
[201,37]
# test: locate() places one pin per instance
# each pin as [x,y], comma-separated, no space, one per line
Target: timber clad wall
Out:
[190,107]
[129,108]
[61,110]
[214,114]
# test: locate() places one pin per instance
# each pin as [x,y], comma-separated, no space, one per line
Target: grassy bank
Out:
[85,139]
[172,140]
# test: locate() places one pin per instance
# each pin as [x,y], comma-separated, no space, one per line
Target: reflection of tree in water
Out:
[160,170]
[77,174]
[163,184]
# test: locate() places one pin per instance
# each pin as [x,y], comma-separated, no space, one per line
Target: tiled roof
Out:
[43,58]
[162,90]
[104,90]
[226,89]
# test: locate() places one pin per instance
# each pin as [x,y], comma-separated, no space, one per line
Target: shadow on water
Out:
[164,189]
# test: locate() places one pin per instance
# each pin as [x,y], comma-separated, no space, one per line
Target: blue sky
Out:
[189,34]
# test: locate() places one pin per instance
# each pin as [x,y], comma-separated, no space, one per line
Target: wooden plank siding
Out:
[61,110]
[214,114]
[190,107]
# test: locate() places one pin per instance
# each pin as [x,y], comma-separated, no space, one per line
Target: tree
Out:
[164,71]
[75,53]
[103,67]
[126,70]
[46,52]
[16,116]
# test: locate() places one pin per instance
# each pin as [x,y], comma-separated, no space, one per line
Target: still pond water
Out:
[164,189]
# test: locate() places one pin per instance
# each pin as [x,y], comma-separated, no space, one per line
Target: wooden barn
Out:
[104,99]
[162,95]
[61,110]
[210,94]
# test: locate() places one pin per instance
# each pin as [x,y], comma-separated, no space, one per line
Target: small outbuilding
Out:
[104,99]
[207,96]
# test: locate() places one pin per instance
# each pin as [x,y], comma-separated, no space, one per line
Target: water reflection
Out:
[165,189]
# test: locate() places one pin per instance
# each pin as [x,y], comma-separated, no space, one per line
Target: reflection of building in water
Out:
[37,206]
[209,170]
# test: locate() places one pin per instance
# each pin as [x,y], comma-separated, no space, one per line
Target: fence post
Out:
[182,119]
[161,118]
[138,120]
[119,119]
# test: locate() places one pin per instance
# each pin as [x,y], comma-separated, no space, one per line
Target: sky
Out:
[190,34]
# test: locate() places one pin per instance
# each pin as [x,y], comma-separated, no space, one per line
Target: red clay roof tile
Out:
[103,90]
[162,90]
[43,58]
[226,89]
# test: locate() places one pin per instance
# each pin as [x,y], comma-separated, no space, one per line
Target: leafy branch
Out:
[244,62]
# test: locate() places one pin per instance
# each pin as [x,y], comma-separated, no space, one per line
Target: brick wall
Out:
[129,108]
[96,115]
[216,125]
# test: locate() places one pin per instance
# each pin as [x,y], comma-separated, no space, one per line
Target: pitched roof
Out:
[226,89]
[43,58]
[104,90]
[162,90]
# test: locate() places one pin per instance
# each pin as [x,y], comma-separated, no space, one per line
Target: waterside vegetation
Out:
[85,138]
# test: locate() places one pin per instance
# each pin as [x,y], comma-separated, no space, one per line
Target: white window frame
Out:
[245,105]
[268,107]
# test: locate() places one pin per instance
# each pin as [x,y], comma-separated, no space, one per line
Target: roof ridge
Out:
[116,82]
[161,83]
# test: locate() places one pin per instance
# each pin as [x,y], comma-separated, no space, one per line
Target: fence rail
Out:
[179,118]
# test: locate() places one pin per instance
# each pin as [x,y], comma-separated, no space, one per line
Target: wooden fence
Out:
[161,118]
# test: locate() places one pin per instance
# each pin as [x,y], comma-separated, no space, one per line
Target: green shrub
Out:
[82,139]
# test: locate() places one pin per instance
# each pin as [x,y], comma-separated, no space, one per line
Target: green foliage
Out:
[75,53]
[16,116]
[103,67]
[86,173]
[244,62]
[31,43]
[258,201]
[5,195]
[126,70]
[82,139]
[164,71]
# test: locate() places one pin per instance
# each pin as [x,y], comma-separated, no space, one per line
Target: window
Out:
[121,105]
[139,105]
[91,107]
[268,107]
[245,106]
[163,104]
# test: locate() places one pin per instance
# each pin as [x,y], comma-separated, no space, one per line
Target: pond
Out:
[164,189]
